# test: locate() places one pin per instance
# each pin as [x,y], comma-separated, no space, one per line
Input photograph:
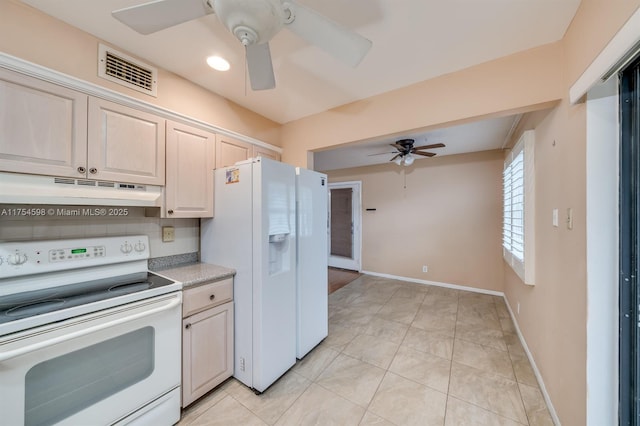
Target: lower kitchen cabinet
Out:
[207,338]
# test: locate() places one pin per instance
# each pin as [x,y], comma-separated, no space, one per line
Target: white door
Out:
[345,233]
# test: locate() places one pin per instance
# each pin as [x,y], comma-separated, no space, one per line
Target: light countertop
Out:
[197,273]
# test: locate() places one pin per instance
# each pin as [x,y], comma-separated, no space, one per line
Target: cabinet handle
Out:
[81,169]
[213,296]
[170,211]
[188,326]
[93,170]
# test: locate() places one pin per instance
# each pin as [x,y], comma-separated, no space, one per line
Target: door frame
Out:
[354,264]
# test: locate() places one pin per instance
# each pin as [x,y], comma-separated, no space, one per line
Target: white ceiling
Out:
[471,137]
[413,40]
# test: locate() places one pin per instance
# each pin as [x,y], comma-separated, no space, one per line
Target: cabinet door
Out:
[229,151]
[43,127]
[259,151]
[125,144]
[190,163]
[207,351]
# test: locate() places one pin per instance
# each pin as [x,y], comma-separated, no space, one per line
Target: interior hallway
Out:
[400,354]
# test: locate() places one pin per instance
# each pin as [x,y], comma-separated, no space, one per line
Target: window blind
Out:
[518,192]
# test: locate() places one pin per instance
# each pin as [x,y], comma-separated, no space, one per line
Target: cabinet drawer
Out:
[207,296]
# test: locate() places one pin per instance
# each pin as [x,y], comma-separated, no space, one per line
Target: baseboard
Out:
[435,283]
[543,389]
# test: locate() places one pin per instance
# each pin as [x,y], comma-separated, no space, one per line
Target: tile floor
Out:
[397,354]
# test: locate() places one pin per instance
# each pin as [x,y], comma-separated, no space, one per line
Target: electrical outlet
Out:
[168,234]
[569,218]
[424,268]
[242,364]
[518,308]
[554,219]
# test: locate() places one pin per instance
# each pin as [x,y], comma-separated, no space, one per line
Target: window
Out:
[518,188]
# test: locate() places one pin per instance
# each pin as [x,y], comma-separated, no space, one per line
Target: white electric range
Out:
[87,334]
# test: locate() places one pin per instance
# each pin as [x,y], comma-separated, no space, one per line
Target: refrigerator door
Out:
[312,258]
[227,240]
[274,271]
[253,231]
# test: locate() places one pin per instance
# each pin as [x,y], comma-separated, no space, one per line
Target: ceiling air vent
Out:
[126,71]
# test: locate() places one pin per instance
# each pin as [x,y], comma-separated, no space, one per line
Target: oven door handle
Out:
[5,356]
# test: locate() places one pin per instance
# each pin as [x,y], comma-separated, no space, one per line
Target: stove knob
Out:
[16,259]
[126,248]
[139,247]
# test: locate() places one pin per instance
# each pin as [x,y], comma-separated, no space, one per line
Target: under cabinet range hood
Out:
[16,188]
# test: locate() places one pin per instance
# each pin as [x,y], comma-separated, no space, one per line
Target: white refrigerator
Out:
[254,232]
[312,258]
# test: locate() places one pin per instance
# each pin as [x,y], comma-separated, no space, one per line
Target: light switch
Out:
[554,220]
[569,218]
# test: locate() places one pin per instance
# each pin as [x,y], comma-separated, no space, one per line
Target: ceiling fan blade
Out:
[157,15]
[340,42]
[383,153]
[426,154]
[394,157]
[435,145]
[260,67]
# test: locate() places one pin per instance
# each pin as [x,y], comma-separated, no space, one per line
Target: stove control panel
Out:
[61,255]
[32,257]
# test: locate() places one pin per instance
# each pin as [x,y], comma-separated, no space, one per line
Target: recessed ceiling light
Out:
[218,63]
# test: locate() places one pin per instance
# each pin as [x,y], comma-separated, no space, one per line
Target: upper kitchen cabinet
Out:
[230,150]
[259,151]
[190,163]
[125,144]
[43,127]
[48,129]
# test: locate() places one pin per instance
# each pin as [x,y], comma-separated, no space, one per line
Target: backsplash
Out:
[54,222]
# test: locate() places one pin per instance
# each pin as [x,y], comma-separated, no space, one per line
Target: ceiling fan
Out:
[254,23]
[405,151]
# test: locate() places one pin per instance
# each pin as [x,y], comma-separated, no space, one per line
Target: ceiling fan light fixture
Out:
[218,63]
[408,160]
[398,161]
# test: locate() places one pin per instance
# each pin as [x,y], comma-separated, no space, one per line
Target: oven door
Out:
[93,369]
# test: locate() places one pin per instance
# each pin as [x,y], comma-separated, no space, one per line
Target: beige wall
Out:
[553,314]
[448,215]
[31,35]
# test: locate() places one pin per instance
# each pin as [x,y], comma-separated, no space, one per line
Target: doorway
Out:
[344,225]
